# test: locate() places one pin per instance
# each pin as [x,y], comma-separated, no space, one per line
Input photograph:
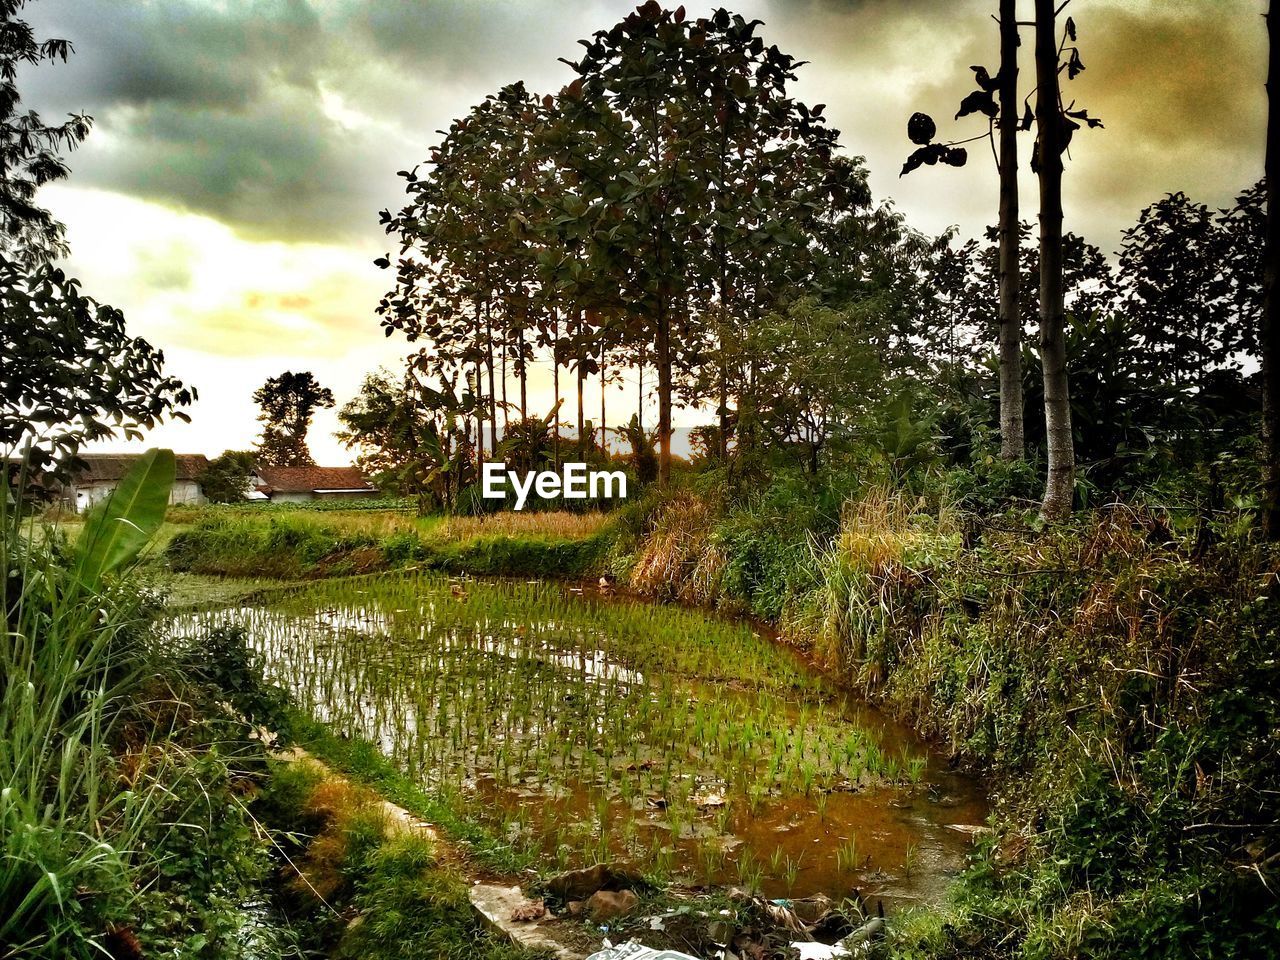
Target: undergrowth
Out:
[362,885]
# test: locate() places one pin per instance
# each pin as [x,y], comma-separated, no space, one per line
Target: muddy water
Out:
[569,743]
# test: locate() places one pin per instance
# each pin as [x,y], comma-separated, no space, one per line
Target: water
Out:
[592,729]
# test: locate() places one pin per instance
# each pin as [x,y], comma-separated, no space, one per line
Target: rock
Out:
[870,932]
[972,829]
[610,904]
[495,906]
[721,931]
[812,909]
[581,884]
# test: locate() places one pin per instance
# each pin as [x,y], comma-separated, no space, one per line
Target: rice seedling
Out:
[791,871]
[847,856]
[628,714]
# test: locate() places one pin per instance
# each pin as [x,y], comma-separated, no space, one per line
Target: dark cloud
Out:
[182,52]
[282,169]
[288,118]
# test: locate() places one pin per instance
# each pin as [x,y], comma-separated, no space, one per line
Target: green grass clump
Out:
[360,888]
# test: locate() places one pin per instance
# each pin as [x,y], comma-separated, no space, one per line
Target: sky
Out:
[227,199]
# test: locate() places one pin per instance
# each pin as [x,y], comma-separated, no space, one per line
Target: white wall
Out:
[87,494]
[186,491]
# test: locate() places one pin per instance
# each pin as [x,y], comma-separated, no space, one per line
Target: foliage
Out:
[114,803]
[222,659]
[288,402]
[71,373]
[410,438]
[346,857]
[29,146]
[644,458]
[116,530]
[290,545]
[226,478]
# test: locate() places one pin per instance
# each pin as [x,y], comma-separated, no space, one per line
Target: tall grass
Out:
[68,656]
[888,542]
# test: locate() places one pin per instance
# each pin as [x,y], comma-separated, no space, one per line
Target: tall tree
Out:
[70,373]
[1003,116]
[288,403]
[1010,339]
[1054,126]
[1270,327]
[659,103]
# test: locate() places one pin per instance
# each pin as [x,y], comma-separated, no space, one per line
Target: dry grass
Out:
[680,544]
[886,540]
[552,525]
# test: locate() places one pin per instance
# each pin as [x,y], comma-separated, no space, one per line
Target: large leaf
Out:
[118,528]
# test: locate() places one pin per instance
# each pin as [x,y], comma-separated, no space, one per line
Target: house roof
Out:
[313,479]
[113,466]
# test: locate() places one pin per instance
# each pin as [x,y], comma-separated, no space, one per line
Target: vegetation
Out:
[288,403]
[294,544]
[120,777]
[226,478]
[1058,564]
[349,858]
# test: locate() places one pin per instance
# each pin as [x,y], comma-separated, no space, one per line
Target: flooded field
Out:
[602,729]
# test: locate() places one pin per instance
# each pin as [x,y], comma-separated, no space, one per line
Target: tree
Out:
[921,131]
[29,147]
[225,479]
[677,134]
[70,374]
[1269,337]
[411,437]
[288,403]
[1176,286]
[1012,445]
[822,374]
[1054,126]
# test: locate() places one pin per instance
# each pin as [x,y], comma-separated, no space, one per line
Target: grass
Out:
[310,544]
[123,829]
[345,859]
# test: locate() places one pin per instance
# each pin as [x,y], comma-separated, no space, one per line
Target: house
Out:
[299,484]
[103,471]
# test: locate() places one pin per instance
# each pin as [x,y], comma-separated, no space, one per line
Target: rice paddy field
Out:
[589,728]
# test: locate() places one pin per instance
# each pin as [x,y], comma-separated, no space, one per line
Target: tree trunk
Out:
[1011,440]
[493,393]
[478,395]
[604,433]
[663,347]
[524,380]
[506,408]
[582,415]
[640,390]
[1060,483]
[555,383]
[1270,335]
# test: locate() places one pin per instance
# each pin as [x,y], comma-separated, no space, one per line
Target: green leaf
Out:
[117,530]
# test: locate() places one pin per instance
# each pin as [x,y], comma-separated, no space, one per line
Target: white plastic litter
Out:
[636,951]
[820,951]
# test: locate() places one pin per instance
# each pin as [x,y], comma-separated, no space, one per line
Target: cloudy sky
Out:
[227,198]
